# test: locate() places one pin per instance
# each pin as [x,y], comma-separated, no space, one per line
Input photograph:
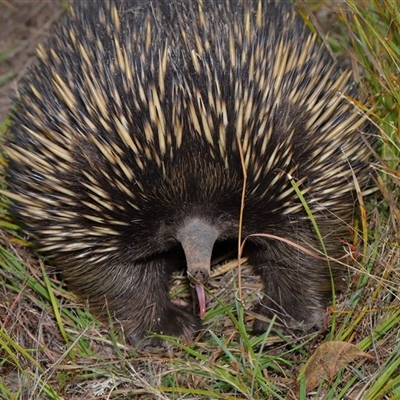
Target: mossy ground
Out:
[51,348]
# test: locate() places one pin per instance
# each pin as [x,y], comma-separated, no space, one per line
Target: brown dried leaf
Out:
[327,360]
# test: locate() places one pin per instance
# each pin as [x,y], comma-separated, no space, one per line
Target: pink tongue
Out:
[202,299]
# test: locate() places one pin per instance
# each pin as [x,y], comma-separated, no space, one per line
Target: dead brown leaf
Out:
[327,360]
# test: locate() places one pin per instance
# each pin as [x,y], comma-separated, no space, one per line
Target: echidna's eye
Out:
[222,216]
[169,222]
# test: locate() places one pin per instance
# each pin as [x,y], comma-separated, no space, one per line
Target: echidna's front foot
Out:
[302,319]
[169,320]
[297,291]
[139,302]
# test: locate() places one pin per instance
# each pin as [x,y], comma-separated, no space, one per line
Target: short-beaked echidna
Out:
[124,156]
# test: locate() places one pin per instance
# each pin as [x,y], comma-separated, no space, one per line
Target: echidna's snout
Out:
[197,238]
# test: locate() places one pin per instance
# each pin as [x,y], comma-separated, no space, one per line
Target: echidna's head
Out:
[183,205]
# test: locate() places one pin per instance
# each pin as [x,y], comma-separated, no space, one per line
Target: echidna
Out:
[125,155]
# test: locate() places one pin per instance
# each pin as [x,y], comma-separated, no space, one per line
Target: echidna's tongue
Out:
[202,299]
